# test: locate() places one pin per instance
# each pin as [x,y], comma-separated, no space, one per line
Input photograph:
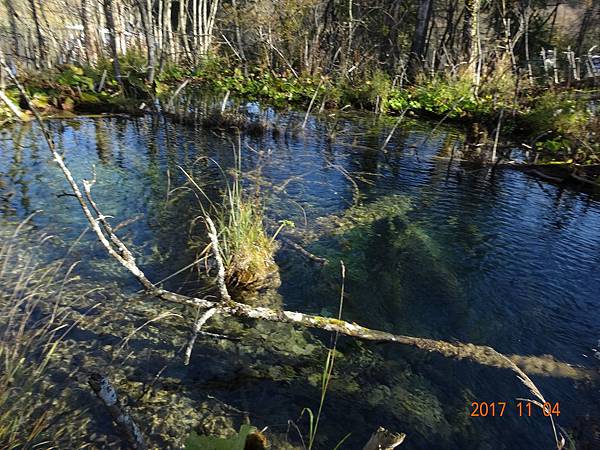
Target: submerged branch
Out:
[480,354]
[122,419]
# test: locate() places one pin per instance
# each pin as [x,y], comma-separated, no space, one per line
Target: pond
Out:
[433,246]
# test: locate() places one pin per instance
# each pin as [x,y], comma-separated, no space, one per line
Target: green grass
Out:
[246,247]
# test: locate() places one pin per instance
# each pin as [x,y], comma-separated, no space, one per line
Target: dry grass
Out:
[33,323]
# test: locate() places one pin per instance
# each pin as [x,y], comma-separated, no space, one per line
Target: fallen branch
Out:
[197,326]
[214,240]
[584,180]
[124,422]
[302,250]
[176,93]
[13,108]
[544,176]
[393,130]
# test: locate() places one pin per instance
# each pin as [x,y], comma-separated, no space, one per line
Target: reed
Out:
[32,327]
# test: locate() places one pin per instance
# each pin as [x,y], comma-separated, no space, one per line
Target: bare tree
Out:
[145,8]
[417,48]
[90,34]
[41,58]
[110,24]
[12,19]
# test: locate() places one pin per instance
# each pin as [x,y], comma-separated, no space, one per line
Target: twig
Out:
[13,108]
[176,93]
[197,326]
[389,136]
[497,135]
[212,234]
[312,101]
[224,103]
[303,251]
[127,222]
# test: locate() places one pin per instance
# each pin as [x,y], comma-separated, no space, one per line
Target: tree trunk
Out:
[42,61]
[89,33]
[110,24]
[12,19]
[145,8]
[470,50]
[586,21]
[417,47]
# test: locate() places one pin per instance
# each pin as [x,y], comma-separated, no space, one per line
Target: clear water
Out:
[504,260]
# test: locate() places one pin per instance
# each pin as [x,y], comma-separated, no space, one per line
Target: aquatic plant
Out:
[563,127]
[326,376]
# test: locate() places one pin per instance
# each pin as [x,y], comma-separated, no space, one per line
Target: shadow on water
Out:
[434,247]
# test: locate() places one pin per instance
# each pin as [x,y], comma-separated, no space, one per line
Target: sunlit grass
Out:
[246,247]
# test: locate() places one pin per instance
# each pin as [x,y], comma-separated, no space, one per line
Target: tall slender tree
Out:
[419,40]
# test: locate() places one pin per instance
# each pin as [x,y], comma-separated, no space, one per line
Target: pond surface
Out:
[434,247]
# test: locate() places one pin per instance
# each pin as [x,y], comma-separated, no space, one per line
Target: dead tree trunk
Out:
[469,35]
[14,31]
[41,59]
[586,21]
[145,8]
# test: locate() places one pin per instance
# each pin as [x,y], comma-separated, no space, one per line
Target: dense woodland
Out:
[469,60]
[353,39]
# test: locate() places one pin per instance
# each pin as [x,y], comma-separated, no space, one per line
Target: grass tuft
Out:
[246,247]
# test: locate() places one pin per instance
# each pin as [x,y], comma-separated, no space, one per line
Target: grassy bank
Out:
[556,124]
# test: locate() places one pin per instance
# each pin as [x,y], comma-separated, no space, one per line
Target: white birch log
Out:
[127,427]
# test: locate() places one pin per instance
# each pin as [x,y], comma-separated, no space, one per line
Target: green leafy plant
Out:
[236,442]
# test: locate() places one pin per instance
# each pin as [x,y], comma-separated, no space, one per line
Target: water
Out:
[495,259]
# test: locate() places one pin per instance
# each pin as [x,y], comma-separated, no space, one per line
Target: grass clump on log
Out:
[246,247]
